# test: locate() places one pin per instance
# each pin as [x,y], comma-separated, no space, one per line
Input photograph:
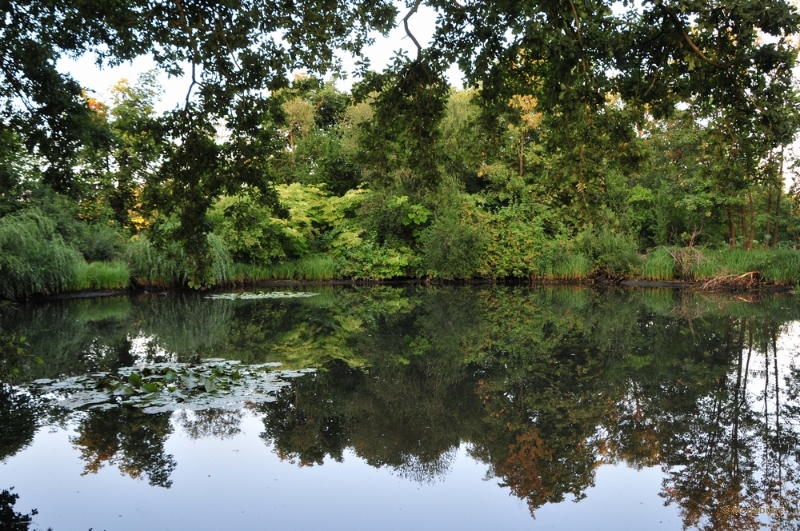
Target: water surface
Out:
[428,408]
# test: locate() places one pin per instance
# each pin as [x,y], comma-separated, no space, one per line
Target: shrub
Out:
[370,260]
[452,249]
[248,230]
[100,243]
[611,254]
[516,244]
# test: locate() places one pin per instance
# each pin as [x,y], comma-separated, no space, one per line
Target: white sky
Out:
[421,24]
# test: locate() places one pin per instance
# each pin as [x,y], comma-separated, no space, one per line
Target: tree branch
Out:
[227,44]
[689,41]
[408,32]
[193,43]
[657,72]
[191,86]
[578,33]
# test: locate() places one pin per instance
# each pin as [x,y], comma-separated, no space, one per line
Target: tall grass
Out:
[611,254]
[33,258]
[151,267]
[779,266]
[783,268]
[658,265]
[101,275]
[708,267]
[573,266]
[314,267]
[223,263]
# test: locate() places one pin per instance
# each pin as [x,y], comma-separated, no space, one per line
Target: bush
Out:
[393,220]
[94,235]
[516,244]
[611,254]
[248,230]
[100,243]
[452,249]
[370,260]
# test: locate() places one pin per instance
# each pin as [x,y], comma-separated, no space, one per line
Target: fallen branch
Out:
[746,280]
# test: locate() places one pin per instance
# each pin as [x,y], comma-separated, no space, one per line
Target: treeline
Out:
[512,191]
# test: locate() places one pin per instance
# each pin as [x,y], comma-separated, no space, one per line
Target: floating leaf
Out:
[261,295]
[150,387]
[217,384]
[135,380]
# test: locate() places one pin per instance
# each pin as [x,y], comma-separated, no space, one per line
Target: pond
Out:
[404,407]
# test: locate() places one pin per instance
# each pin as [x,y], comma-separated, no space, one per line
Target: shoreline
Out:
[754,287]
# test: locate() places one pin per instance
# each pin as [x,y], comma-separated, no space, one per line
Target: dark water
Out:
[430,408]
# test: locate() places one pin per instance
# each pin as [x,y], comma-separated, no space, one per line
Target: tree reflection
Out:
[11,520]
[19,420]
[129,439]
[551,387]
[543,386]
[208,423]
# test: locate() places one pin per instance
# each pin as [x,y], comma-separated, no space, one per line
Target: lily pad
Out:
[261,295]
[215,383]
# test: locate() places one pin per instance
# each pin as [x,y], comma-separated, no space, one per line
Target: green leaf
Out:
[150,387]
[135,380]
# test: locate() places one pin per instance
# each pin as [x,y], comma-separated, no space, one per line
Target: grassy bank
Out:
[781,266]
[36,261]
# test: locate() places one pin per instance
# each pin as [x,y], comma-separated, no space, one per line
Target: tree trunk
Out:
[777,219]
[744,226]
[778,204]
[768,231]
[752,221]
[732,232]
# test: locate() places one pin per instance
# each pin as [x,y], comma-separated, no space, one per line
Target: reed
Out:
[658,265]
[152,267]
[33,258]
[314,267]
[101,275]
[572,266]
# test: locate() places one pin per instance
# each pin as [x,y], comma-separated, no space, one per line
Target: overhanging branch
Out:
[408,32]
[689,41]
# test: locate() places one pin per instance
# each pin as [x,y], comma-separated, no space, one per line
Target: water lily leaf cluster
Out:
[261,295]
[165,387]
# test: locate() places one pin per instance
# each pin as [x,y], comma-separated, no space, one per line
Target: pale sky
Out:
[421,24]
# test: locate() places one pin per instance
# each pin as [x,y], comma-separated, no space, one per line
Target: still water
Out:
[404,408]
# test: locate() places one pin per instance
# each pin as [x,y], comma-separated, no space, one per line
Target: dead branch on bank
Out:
[732,282]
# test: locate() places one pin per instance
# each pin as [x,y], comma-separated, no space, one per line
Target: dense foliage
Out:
[588,136]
